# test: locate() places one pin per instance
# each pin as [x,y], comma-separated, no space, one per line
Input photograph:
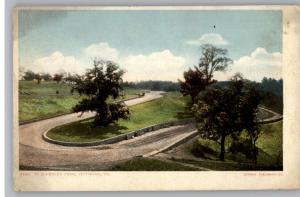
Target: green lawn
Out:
[37,101]
[170,107]
[143,164]
[270,143]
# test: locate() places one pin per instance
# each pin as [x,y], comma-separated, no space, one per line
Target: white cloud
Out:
[57,62]
[209,38]
[162,65]
[101,50]
[260,63]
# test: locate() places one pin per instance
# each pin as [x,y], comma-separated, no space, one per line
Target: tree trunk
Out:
[222,153]
[193,100]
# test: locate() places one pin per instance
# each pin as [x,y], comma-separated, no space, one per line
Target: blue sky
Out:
[150,44]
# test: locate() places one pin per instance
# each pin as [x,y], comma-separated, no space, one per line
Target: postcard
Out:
[165,98]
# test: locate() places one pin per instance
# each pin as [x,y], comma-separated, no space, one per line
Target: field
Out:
[170,107]
[48,99]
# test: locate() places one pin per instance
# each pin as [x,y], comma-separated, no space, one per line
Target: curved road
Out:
[35,153]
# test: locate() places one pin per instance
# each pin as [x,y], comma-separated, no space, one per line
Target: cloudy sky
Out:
[150,45]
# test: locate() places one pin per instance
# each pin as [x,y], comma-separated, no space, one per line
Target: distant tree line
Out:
[39,77]
[273,94]
[166,86]
[271,89]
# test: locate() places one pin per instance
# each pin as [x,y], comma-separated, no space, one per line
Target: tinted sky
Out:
[150,44]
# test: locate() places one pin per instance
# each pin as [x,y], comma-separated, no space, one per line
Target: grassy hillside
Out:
[170,107]
[269,150]
[49,99]
[143,164]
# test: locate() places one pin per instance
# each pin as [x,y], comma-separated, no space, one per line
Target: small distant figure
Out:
[57,92]
[214,27]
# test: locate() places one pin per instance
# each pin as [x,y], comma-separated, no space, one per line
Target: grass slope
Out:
[142,164]
[38,101]
[157,111]
[269,155]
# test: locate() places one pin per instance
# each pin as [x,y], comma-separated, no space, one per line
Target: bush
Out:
[243,146]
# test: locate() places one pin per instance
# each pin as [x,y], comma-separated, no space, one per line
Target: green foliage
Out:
[46,76]
[268,146]
[270,141]
[221,112]
[212,59]
[98,84]
[142,115]
[273,94]
[29,75]
[167,86]
[194,83]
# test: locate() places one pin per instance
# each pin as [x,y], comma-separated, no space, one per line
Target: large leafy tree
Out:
[98,85]
[212,59]
[196,80]
[217,116]
[223,112]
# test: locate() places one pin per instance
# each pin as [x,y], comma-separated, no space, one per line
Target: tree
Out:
[194,83]
[216,116]
[212,59]
[46,76]
[57,77]
[217,113]
[248,111]
[29,75]
[99,84]
[222,112]
[38,77]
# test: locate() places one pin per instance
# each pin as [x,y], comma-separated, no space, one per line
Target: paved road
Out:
[99,157]
[30,134]
[35,153]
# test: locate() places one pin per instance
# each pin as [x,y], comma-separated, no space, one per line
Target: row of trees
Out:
[222,111]
[30,76]
[166,86]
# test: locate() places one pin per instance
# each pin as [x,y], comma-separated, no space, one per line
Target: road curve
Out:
[35,153]
[30,134]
